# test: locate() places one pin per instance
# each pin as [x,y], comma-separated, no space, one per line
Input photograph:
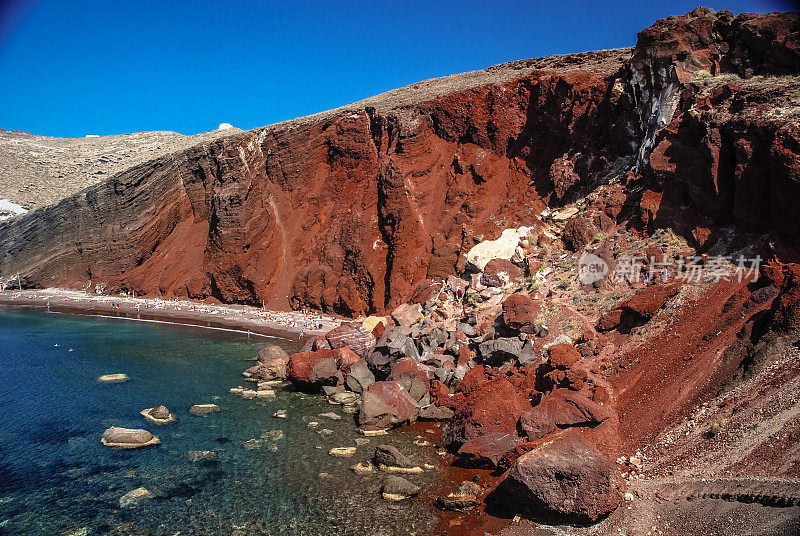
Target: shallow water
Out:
[56,477]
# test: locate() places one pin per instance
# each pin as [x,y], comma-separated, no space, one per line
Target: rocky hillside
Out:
[345,210]
[589,265]
[36,171]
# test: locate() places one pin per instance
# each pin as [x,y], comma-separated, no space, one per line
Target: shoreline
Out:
[243,319]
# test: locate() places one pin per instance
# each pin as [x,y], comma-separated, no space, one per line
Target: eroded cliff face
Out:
[718,97]
[346,210]
[344,213]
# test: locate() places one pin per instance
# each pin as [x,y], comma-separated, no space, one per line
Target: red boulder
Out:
[495,406]
[351,336]
[561,409]
[487,450]
[565,478]
[385,405]
[500,272]
[520,313]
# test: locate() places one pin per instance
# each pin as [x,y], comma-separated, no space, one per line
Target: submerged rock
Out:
[132,498]
[362,468]
[128,438]
[200,455]
[396,488]
[203,409]
[389,459]
[342,452]
[113,378]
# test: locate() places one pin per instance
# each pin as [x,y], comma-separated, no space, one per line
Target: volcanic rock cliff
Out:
[683,153]
[344,211]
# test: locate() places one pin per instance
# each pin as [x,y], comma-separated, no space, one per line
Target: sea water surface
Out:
[57,479]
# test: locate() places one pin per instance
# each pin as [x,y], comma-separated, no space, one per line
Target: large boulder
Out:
[425,292]
[563,356]
[352,336]
[385,405]
[359,377]
[609,320]
[520,313]
[502,350]
[310,371]
[408,367]
[500,272]
[128,438]
[270,353]
[396,343]
[495,406]
[645,303]
[502,248]
[407,314]
[560,409]
[487,450]
[578,232]
[414,378]
[272,362]
[564,480]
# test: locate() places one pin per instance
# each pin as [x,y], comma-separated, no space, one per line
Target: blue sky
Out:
[70,68]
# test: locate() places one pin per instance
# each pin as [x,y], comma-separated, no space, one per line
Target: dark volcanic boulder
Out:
[396,343]
[562,408]
[493,407]
[487,450]
[499,351]
[397,488]
[564,480]
[359,376]
[500,272]
[351,336]
[433,412]
[385,405]
[389,456]
[520,313]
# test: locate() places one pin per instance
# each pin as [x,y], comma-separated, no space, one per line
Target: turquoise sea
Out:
[57,479]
